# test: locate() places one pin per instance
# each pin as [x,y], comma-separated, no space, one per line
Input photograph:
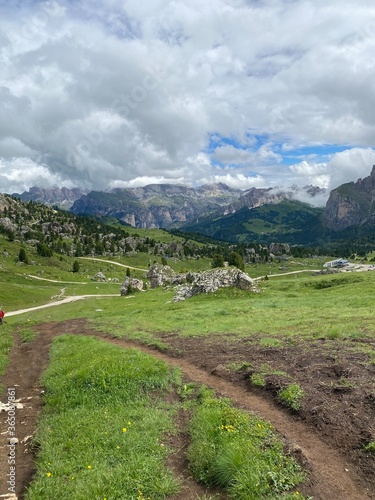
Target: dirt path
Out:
[115,263]
[331,476]
[57,281]
[66,300]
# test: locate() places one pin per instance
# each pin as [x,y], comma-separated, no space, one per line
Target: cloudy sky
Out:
[122,93]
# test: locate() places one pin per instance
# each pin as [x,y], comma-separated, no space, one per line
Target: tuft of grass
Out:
[103,430]
[333,333]
[258,380]
[238,452]
[292,396]
[370,447]
[27,333]
[239,365]
[269,342]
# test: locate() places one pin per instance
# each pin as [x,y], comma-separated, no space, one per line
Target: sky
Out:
[124,93]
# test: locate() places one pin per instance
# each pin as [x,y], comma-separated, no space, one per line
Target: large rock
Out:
[279,248]
[160,275]
[211,281]
[130,284]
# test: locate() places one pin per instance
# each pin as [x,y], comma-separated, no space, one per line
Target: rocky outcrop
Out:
[190,284]
[351,204]
[279,248]
[160,275]
[129,285]
[211,281]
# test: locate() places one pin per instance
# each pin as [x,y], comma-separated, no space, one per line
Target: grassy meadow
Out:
[105,426]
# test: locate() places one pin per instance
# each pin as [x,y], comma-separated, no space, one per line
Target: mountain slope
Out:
[287,221]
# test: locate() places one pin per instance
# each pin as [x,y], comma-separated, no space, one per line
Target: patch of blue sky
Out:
[250,141]
[319,153]
[289,152]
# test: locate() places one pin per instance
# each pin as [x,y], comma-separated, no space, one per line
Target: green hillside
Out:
[287,221]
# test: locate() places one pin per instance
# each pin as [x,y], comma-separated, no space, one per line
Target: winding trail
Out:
[66,300]
[115,263]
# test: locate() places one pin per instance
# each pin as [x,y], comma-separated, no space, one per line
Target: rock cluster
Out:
[194,283]
[211,281]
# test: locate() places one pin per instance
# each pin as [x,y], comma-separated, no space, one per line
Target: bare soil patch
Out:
[327,436]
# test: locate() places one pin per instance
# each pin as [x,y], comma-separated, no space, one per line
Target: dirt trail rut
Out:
[331,477]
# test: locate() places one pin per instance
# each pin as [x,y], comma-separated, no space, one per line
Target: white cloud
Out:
[343,167]
[108,93]
[19,174]
[238,181]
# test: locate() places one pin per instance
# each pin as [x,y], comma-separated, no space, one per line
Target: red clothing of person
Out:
[1,316]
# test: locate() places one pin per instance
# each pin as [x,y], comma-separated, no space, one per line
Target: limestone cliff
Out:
[351,204]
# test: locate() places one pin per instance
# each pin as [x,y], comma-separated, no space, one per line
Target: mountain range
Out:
[164,205]
[222,212]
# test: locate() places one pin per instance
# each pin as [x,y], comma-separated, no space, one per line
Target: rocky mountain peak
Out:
[351,204]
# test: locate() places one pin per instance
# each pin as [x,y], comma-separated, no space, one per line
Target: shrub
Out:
[22,257]
[75,266]
[217,260]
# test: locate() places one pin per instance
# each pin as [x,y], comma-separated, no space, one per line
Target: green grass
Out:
[103,432]
[238,452]
[105,429]
[292,396]
[370,447]
[258,378]
[287,308]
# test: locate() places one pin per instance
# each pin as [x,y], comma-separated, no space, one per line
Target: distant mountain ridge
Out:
[61,197]
[235,215]
[156,205]
[169,205]
[164,205]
